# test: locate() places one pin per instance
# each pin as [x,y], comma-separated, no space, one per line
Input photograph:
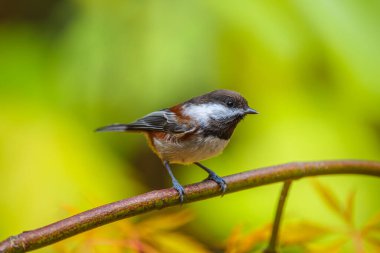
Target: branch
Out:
[277,219]
[159,199]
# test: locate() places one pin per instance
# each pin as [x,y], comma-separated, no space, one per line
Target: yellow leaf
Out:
[332,247]
[349,210]
[372,224]
[328,197]
[167,222]
[372,247]
[302,232]
[374,240]
[177,243]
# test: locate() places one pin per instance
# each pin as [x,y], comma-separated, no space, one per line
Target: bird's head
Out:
[223,106]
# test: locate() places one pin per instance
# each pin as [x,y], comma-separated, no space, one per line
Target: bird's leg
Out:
[214,177]
[176,184]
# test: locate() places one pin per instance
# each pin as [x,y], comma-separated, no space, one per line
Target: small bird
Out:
[192,131]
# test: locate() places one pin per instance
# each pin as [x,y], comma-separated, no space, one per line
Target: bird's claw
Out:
[181,191]
[220,181]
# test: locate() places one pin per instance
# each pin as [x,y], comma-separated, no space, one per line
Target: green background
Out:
[311,68]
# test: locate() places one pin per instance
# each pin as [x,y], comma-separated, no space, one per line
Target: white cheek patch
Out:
[204,112]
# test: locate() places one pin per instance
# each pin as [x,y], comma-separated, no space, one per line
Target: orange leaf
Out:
[233,240]
[239,243]
[256,237]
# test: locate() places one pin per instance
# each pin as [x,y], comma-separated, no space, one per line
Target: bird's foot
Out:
[179,188]
[220,181]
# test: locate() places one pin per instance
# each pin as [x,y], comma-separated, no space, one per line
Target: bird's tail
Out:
[113,128]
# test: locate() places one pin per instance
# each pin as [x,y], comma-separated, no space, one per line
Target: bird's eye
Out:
[230,103]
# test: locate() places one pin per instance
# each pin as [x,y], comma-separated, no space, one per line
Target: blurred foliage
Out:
[152,235]
[66,67]
[306,236]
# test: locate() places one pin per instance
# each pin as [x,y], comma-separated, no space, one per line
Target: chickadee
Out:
[192,131]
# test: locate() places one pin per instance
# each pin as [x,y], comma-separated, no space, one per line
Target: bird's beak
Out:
[250,111]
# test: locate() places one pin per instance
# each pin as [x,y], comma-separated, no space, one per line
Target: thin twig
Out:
[154,200]
[277,220]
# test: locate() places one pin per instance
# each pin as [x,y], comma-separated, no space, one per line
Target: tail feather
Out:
[113,128]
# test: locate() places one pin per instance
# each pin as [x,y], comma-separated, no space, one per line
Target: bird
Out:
[190,132]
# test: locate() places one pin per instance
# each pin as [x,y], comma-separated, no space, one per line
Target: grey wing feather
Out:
[164,121]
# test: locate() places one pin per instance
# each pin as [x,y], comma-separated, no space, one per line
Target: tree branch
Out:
[159,199]
[277,219]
